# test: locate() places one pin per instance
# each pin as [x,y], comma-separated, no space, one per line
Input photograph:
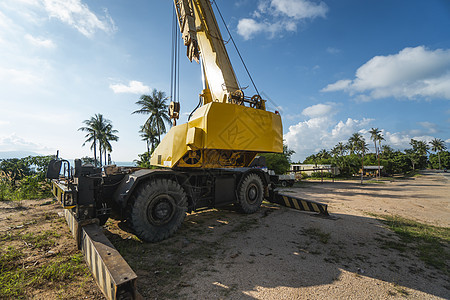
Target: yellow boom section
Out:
[223,132]
[204,42]
[220,135]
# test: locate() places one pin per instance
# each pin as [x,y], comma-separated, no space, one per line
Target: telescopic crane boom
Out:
[229,129]
[203,40]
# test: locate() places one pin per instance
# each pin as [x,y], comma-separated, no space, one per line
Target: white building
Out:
[309,169]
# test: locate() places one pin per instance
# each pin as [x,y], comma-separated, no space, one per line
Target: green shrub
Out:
[24,178]
[320,175]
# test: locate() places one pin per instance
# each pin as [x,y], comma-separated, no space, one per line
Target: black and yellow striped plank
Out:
[300,204]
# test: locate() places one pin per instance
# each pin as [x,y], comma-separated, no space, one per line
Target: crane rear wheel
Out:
[250,193]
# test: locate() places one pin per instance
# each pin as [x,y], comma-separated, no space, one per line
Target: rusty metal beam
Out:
[112,273]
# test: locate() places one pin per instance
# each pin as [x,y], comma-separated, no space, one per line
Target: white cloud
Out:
[401,140]
[275,16]
[78,15]
[249,27]
[299,9]
[319,110]
[13,142]
[411,73]
[75,13]
[321,130]
[40,42]
[338,85]
[134,87]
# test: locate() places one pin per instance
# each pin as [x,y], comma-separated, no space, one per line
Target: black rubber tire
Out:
[284,183]
[250,193]
[158,208]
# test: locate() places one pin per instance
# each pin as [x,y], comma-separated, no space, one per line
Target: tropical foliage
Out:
[143,161]
[376,136]
[438,145]
[279,162]
[150,136]
[99,132]
[24,178]
[352,156]
[440,160]
[418,154]
[156,108]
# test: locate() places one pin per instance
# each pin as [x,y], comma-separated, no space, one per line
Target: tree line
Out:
[352,156]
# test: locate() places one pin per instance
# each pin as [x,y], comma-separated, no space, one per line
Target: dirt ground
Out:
[48,264]
[278,253]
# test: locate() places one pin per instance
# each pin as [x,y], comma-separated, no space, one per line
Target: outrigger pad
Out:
[299,204]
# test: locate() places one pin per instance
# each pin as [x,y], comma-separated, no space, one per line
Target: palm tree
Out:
[374,132]
[359,145]
[314,158]
[107,135]
[99,131]
[150,137]
[340,149]
[155,106]
[353,141]
[438,145]
[338,152]
[323,154]
[418,151]
[376,136]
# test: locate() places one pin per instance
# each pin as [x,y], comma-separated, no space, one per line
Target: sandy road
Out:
[287,254]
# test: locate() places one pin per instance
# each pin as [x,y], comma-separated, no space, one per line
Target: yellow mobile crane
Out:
[205,163]
[228,129]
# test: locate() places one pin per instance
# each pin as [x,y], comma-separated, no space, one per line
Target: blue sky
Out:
[332,68]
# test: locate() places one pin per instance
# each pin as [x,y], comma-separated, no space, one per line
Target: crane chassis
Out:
[201,164]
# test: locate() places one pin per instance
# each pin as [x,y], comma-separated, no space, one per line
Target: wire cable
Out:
[235,46]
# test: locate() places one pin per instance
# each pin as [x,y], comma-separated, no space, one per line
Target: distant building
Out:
[309,169]
[371,170]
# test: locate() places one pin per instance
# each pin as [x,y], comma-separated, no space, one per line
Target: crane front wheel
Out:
[250,193]
[158,209]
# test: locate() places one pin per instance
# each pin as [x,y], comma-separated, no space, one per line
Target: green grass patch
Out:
[34,240]
[14,279]
[431,243]
[43,240]
[60,270]
[375,181]
[9,258]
